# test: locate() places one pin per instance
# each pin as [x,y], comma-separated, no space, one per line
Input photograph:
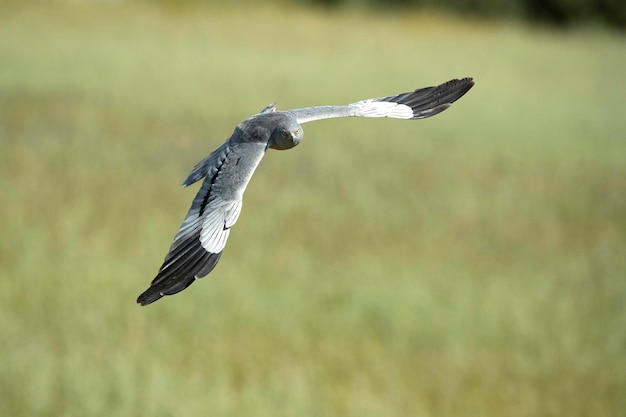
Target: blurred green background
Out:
[470,264]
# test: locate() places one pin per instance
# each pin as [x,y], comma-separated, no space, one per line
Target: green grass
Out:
[470,264]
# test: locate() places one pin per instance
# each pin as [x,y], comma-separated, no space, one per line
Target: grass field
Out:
[472,264]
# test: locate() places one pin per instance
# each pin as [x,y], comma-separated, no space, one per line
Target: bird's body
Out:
[198,244]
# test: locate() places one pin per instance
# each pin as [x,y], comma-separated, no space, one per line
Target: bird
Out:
[199,243]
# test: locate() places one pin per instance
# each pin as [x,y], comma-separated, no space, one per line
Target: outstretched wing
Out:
[418,104]
[199,242]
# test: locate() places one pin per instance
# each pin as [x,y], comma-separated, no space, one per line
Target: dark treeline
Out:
[560,12]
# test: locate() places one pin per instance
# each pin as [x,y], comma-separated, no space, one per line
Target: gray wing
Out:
[418,104]
[199,242]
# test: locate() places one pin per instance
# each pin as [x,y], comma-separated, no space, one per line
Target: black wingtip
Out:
[149,296]
[173,279]
[429,101]
[455,89]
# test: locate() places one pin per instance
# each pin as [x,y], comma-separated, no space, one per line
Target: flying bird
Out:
[200,241]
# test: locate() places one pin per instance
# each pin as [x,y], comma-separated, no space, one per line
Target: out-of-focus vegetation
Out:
[612,12]
[557,12]
[469,264]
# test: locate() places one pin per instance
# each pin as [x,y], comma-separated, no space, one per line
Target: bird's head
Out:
[286,134]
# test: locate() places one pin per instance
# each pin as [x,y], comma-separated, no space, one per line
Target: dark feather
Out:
[430,101]
[182,266]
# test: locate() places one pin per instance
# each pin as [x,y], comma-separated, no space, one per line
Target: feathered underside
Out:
[184,263]
[418,104]
[200,240]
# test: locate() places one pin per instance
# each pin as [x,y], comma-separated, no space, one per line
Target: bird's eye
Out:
[284,133]
[297,131]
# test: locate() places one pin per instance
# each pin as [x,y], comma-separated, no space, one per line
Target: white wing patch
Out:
[373,108]
[221,216]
